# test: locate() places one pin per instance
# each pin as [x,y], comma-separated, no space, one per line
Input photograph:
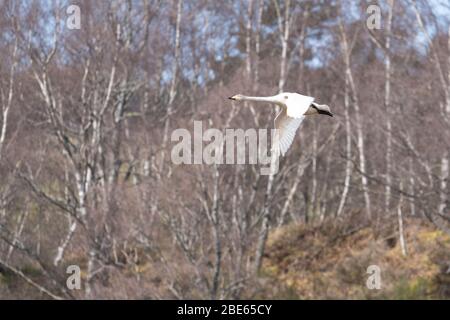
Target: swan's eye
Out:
[286,97]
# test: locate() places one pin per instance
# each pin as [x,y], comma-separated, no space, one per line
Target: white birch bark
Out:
[274,163]
[387,96]
[348,149]
[6,105]
[400,224]
[248,35]
[358,120]
[444,194]
[284,30]
[173,83]
[62,248]
[412,188]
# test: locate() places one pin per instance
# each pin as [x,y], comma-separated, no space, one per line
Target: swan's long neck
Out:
[271,99]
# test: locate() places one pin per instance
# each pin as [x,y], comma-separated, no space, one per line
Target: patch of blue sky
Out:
[318,47]
[441,9]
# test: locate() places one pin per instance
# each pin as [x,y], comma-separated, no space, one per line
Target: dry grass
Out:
[330,262]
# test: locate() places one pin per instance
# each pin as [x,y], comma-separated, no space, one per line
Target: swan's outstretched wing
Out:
[286,128]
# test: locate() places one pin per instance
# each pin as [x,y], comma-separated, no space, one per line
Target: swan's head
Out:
[237,97]
[282,98]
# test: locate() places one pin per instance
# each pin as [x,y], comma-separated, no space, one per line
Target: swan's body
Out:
[294,108]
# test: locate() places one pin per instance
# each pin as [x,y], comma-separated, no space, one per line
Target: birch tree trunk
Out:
[301,166]
[6,105]
[173,83]
[400,224]
[358,119]
[444,197]
[216,230]
[248,35]
[348,149]
[274,163]
[284,29]
[388,113]
[412,188]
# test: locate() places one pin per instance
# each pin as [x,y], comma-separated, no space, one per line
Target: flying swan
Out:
[294,108]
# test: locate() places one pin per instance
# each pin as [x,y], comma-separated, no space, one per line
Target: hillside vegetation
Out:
[331,260]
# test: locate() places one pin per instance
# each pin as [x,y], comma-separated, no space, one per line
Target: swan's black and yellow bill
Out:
[328,113]
[322,109]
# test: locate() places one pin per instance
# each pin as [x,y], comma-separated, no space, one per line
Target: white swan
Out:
[294,107]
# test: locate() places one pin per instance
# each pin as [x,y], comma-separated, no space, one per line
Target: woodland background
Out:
[86,177]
